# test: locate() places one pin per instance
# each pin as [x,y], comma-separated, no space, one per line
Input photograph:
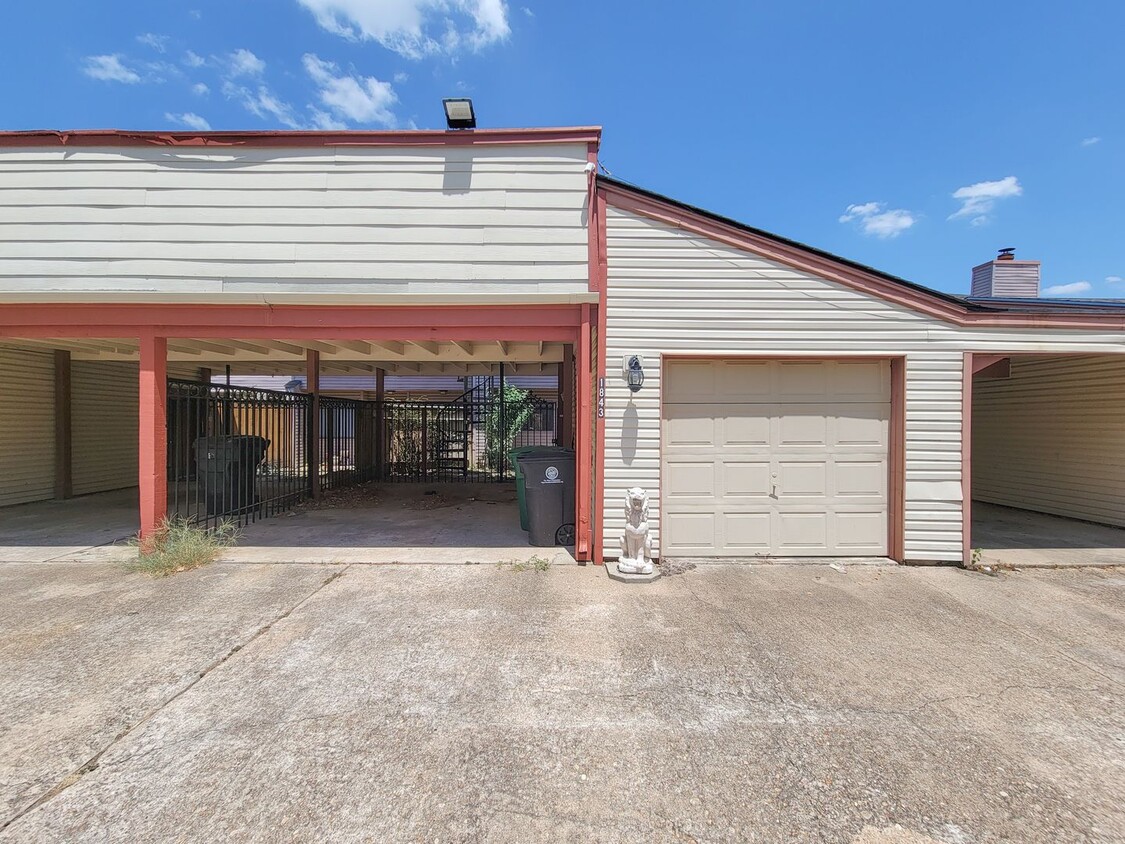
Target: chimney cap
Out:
[1008,253]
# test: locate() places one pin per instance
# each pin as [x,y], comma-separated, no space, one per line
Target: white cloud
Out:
[1067,289]
[200,89]
[1089,142]
[189,119]
[110,69]
[416,28]
[156,42]
[978,200]
[527,11]
[1114,279]
[192,59]
[876,220]
[401,77]
[360,99]
[324,120]
[265,104]
[244,63]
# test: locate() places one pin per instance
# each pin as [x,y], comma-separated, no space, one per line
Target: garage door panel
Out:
[861,532]
[690,426]
[749,533]
[860,479]
[862,425]
[864,381]
[691,479]
[745,479]
[802,478]
[801,380]
[691,381]
[742,427]
[780,457]
[801,533]
[745,381]
[689,532]
[795,427]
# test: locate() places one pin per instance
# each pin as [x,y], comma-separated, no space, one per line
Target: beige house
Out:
[794,404]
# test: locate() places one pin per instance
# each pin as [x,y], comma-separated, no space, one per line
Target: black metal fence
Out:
[243,454]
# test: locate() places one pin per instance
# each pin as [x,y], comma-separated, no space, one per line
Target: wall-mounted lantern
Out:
[633,369]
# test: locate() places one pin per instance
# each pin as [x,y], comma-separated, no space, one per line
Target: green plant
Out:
[177,545]
[506,419]
[538,563]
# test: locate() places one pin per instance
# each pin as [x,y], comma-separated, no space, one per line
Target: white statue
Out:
[636,544]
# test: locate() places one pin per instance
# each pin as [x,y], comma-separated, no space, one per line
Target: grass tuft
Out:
[178,545]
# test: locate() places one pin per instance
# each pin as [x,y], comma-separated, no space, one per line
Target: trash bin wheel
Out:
[565,535]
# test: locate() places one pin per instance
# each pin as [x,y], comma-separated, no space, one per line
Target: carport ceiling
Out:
[267,356]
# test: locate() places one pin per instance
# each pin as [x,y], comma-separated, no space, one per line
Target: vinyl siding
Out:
[369,222]
[671,291]
[27,426]
[1051,438]
[103,426]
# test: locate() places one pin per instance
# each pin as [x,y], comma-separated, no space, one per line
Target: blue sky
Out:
[917,138]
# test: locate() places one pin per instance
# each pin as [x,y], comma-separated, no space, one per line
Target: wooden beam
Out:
[269,346]
[432,348]
[182,349]
[391,346]
[324,348]
[355,346]
[467,348]
[212,346]
[503,347]
[992,366]
[63,431]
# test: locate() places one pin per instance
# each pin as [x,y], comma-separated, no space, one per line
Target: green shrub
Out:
[178,545]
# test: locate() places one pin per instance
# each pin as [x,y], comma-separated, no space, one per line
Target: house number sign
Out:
[601,398]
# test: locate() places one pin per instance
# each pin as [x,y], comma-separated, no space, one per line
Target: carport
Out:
[1044,459]
[427,486]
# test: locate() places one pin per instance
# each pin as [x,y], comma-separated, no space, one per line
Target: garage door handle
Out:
[774,493]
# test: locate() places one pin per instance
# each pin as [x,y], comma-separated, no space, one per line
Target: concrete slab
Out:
[87,652]
[1009,536]
[729,703]
[440,524]
[57,530]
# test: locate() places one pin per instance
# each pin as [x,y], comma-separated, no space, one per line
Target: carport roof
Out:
[968,304]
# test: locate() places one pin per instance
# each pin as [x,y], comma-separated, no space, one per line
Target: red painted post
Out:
[152,400]
[584,434]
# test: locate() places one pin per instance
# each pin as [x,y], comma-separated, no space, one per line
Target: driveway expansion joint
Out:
[92,763]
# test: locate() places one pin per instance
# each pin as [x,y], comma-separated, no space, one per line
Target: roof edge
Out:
[945,306]
[299,138]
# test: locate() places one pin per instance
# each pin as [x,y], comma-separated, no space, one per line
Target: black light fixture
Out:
[459,113]
[634,373]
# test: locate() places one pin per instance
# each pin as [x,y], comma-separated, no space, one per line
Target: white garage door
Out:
[785,458]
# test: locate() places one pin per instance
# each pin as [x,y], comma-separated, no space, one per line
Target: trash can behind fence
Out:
[227,469]
[549,485]
[514,457]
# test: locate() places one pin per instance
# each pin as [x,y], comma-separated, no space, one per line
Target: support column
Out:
[63,438]
[584,439]
[967,459]
[566,397]
[312,448]
[152,400]
[380,424]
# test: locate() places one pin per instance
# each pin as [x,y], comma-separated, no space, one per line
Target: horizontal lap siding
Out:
[104,426]
[1051,438]
[27,426]
[376,222]
[671,291]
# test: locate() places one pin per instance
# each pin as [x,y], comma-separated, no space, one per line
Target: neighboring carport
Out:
[1046,459]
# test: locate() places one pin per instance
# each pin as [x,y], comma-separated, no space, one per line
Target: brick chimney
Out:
[1006,278]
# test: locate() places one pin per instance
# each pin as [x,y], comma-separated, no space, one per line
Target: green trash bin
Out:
[521,486]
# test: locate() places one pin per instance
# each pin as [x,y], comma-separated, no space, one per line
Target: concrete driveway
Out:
[395,703]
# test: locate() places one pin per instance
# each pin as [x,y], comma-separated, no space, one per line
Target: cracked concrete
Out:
[874,705]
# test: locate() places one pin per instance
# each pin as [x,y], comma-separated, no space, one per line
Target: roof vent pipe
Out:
[1008,253]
